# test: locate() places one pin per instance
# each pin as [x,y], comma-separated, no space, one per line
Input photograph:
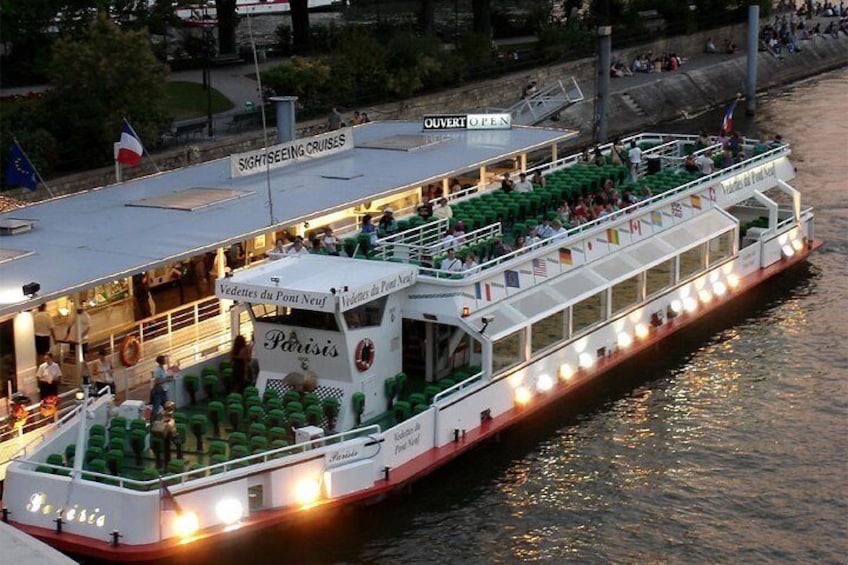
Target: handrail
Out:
[461,385]
[249,459]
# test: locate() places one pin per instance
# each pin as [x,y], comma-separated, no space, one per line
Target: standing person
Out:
[618,153]
[102,371]
[141,291]
[48,375]
[235,256]
[635,156]
[240,359]
[334,121]
[83,320]
[44,330]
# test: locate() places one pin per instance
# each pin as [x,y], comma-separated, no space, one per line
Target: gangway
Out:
[545,103]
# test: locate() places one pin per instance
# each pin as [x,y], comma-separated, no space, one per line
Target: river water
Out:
[727,445]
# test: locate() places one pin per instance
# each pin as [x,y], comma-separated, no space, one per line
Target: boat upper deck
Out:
[98,236]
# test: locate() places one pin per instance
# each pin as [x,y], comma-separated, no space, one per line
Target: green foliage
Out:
[308,79]
[98,80]
[188,100]
[413,62]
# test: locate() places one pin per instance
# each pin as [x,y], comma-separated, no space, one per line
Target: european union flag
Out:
[19,171]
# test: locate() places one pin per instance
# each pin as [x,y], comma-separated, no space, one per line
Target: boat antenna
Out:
[270,203]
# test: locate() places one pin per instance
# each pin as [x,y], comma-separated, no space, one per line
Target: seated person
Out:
[523,185]
[443,212]
[448,240]
[369,228]
[705,164]
[425,209]
[500,248]
[689,164]
[451,263]
[470,262]
[710,46]
[388,225]
[557,231]
[506,183]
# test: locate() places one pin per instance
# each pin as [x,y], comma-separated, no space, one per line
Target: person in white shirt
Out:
[635,156]
[544,229]
[451,263]
[705,164]
[298,249]
[523,185]
[532,237]
[48,375]
[84,327]
[449,240]
[557,231]
[44,329]
[101,371]
[470,262]
[443,211]
[331,242]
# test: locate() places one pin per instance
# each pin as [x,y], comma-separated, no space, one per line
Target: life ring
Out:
[364,356]
[130,351]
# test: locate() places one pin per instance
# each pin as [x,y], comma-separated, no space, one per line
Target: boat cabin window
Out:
[366,315]
[692,262]
[273,314]
[507,352]
[587,313]
[626,293]
[659,277]
[548,331]
[721,247]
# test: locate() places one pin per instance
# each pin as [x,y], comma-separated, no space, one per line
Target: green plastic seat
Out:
[239,451]
[310,398]
[314,414]
[117,433]
[419,408]
[216,460]
[279,444]
[270,394]
[176,466]
[430,391]
[116,444]
[209,370]
[297,419]
[210,385]
[137,441]
[115,461]
[118,422]
[96,466]
[217,447]
[138,424]
[251,391]
[258,444]
[97,442]
[70,451]
[278,433]
[180,417]
[292,407]
[97,430]
[216,416]
[255,414]
[56,459]
[445,384]
[252,401]
[256,429]
[199,423]
[291,396]
[273,404]
[237,438]
[417,398]
[235,398]
[402,410]
[276,419]
[192,386]
[235,414]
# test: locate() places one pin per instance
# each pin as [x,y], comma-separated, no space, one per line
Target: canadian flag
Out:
[129,148]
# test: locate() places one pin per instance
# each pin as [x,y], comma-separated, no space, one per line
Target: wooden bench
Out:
[184,132]
[250,117]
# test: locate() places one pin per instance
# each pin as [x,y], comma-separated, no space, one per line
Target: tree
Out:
[482,13]
[98,80]
[301,34]
[227,24]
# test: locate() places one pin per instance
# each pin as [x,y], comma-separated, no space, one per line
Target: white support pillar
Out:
[523,162]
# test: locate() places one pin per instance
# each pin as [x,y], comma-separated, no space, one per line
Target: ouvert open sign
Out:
[467,121]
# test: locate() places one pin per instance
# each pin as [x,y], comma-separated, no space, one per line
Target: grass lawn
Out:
[188,100]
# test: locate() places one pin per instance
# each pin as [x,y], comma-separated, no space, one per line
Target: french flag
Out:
[727,120]
[130,150]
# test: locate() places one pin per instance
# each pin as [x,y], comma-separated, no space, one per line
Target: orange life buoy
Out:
[364,356]
[130,351]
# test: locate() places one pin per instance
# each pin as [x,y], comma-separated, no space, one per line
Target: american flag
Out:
[539,268]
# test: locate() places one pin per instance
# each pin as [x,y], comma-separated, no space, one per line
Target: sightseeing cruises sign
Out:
[467,121]
[284,154]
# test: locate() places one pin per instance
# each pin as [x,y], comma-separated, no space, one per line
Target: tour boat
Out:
[200,12]
[378,366]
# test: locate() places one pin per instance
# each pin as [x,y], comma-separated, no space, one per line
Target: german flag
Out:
[565,256]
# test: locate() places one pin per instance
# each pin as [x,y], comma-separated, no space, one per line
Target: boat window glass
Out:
[721,248]
[507,352]
[273,314]
[659,277]
[692,261]
[587,313]
[366,315]
[626,293]
[547,331]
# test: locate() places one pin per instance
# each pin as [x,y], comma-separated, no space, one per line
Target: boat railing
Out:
[458,387]
[426,253]
[209,471]
[599,225]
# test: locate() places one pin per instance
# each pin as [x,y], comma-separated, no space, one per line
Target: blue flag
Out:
[19,171]
[511,279]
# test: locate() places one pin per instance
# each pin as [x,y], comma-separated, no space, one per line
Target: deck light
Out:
[586,361]
[732,280]
[788,250]
[797,244]
[229,511]
[466,311]
[705,296]
[186,524]
[523,396]
[719,288]
[641,331]
[676,306]
[566,371]
[79,395]
[544,383]
[624,340]
[690,304]
[306,492]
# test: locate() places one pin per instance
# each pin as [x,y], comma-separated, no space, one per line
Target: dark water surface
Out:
[728,445]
